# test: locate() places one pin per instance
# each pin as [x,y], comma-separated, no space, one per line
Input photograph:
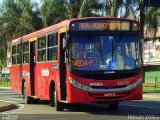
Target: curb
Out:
[9,88]
[153,96]
[7,107]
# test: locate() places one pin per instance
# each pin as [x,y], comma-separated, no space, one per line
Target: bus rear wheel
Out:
[58,105]
[114,106]
[26,98]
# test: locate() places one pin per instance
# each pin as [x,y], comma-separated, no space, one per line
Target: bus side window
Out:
[42,48]
[52,46]
[14,54]
[25,52]
[19,53]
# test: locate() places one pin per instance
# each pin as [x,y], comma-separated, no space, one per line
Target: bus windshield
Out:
[104,52]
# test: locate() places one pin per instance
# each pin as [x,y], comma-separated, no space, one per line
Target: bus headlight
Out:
[135,84]
[88,88]
[77,84]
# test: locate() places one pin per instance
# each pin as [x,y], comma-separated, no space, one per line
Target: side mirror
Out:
[65,44]
[65,41]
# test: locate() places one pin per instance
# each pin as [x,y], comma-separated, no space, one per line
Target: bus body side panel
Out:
[76,95]
[26,78]
[15,78]
[19,73]
[44,74]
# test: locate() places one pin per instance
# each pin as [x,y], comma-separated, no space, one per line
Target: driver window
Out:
[119,57]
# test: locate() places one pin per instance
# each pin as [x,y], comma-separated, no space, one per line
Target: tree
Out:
[17,18]
[122,8]
[152,19]
[54,11]
[89,8]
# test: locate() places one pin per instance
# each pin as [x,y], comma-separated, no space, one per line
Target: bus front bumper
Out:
[78,93]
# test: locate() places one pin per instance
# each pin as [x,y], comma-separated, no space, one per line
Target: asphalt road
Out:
[147,109]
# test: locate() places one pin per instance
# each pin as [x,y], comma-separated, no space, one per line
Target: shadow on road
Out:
[125,109]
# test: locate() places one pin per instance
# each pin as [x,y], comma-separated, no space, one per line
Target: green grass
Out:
[151,90]
[5,84]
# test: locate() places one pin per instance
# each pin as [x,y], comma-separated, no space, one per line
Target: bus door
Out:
[62,68]
[32,66]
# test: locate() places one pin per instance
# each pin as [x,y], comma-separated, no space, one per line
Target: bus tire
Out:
[26,98]
[114,106]
[58,105]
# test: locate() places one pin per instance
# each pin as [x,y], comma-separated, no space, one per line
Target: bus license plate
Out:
[109,94]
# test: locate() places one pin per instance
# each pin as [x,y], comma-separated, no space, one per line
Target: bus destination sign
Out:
[108,25]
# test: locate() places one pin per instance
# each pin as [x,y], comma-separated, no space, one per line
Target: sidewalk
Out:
[151,96]
[5,88]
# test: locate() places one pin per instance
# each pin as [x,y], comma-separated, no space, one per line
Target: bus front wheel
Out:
[58,105]
[26,98]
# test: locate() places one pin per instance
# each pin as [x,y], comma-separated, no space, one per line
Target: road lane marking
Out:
[19,99]
[12,101]
[8,101]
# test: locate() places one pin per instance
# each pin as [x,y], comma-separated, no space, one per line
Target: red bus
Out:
[79,61]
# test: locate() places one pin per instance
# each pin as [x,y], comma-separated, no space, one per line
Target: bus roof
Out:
[62,24]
